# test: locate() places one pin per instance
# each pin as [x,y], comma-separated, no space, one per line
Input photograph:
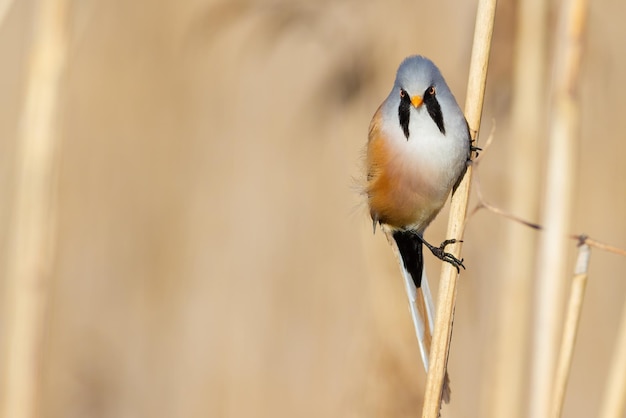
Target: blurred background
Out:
[212,254]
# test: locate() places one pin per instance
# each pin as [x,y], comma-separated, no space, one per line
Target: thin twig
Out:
[458,208]
[597,244]
[484,204]
[570,329]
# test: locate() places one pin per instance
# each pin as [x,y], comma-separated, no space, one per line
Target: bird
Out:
[418,150]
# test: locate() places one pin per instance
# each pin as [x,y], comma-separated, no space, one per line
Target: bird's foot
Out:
[440,253]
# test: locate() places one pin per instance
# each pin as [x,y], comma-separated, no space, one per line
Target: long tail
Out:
[408,249]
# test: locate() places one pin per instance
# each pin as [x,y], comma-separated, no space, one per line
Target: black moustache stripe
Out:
[432,106]
[404,112]
[434,109]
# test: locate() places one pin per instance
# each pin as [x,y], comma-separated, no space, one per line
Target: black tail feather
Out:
[410,247]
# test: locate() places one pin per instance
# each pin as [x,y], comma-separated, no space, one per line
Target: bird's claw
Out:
[440,253]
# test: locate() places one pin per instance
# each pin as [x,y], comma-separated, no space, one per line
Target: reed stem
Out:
[458,209]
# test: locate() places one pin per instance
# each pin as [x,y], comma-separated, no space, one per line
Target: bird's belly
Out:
[406,198]
[410,180]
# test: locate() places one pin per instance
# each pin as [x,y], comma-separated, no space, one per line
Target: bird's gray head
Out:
[419,82]
[416,74]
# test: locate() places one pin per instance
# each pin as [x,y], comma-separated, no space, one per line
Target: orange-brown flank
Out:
[399,193]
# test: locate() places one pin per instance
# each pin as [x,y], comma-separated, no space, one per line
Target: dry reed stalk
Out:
[481,47]
[563,130]
[570,330]
[32,227]
[614,402]
[5,6]
[506,387]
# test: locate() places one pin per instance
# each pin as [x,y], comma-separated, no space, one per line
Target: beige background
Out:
[214,257]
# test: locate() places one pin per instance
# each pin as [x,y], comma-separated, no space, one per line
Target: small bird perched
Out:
[418,149]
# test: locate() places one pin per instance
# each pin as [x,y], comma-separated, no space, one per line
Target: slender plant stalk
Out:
[509,365]
[614,402]
[557,212]
[458,209]
[32,227]
[570,330]
[5,6]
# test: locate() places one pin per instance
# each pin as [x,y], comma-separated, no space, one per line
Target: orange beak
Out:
[416,101]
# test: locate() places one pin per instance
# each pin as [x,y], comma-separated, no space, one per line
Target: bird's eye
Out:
[431,91]
[402,93]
